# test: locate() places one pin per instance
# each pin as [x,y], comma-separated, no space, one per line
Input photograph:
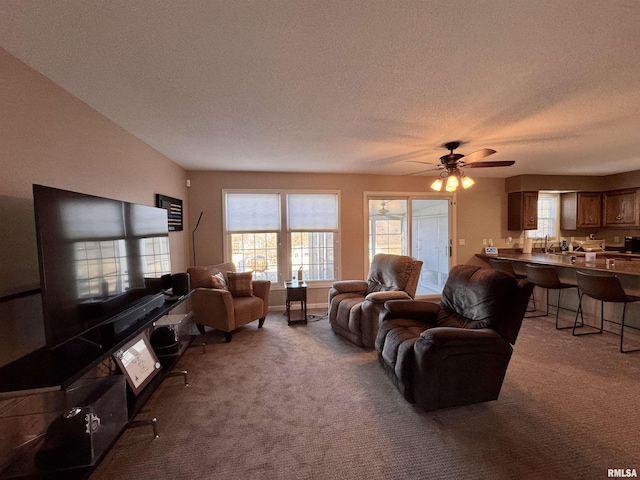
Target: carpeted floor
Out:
[302,403]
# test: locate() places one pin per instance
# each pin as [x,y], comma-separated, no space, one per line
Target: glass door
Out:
[430,243]
[417,226]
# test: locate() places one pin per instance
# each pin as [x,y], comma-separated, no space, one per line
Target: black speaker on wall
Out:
[180,283]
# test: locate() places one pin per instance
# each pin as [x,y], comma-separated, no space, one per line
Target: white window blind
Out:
[312,212]
[251,212]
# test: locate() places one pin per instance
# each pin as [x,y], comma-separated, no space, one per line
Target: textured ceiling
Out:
[350,86]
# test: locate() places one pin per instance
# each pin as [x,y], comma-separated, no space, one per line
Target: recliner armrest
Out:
[420,310]
[351,286]
[452,336]
[381,297]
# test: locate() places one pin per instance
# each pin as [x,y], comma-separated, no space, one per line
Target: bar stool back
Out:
[546,277]
[506,266]
[606,288]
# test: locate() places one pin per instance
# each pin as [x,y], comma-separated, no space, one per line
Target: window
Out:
[275,234]
[548,205]
[257,252]
[387,227]
[253,225]
[313,251]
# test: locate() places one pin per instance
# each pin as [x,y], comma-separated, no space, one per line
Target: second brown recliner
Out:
[354,305]
[455,352]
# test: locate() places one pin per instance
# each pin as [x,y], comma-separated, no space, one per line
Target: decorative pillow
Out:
[219,282]
[240,284]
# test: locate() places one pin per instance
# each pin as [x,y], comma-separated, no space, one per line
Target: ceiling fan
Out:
[453,162]
[385,213]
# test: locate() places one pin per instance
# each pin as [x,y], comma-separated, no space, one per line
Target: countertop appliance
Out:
[632,244]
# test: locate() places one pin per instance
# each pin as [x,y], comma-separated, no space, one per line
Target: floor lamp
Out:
[193,238]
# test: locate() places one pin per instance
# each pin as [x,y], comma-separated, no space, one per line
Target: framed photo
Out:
[138,362]
[173,206]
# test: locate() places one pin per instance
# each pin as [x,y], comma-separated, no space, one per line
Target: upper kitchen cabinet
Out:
[522,211]
[620,208]
[580,210]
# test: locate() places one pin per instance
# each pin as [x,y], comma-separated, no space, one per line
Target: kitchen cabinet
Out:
[580,210]
[522,211]
[620,208]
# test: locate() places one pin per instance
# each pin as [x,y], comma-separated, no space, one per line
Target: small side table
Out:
[296,292]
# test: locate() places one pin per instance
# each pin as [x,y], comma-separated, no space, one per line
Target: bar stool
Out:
[606,288]
[546,277]
[506,266]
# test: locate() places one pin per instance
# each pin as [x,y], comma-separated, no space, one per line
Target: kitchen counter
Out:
[626,267]
[625,264]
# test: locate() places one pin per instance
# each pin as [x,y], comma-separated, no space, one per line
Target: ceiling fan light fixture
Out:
[452,183]
[467,182]
[437,185]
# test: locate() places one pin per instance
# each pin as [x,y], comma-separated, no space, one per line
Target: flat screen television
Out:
[100,261]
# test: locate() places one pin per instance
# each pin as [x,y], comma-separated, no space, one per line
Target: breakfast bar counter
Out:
[625,266]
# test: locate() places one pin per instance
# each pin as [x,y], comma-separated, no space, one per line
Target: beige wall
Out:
[50,137]
[481,212]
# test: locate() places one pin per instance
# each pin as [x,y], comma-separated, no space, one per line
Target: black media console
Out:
[70,374]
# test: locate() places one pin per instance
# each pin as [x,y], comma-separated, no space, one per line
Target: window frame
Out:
[284,235]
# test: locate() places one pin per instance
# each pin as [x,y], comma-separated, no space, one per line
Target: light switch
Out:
[461,242]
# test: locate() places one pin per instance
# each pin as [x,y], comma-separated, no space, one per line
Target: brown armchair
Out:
[354,305]
[218,308]
[456,352]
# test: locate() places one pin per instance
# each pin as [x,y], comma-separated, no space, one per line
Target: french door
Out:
[419,226]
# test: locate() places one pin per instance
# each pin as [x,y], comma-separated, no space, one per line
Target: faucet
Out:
[546,240]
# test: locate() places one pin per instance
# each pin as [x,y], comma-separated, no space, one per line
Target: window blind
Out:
[312,212]
[253,212]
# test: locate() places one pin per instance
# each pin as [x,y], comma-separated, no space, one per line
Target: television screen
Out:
[98,258]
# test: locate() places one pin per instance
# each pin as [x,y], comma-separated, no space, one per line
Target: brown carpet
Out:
[302,403]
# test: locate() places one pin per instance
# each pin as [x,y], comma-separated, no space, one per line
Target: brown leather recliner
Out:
[218,308]
[354,305]
[456,352]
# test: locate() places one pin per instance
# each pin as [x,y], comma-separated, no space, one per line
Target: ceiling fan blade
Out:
[503,163]
[423,171]
[418,161]
[478,155]
[385,217]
